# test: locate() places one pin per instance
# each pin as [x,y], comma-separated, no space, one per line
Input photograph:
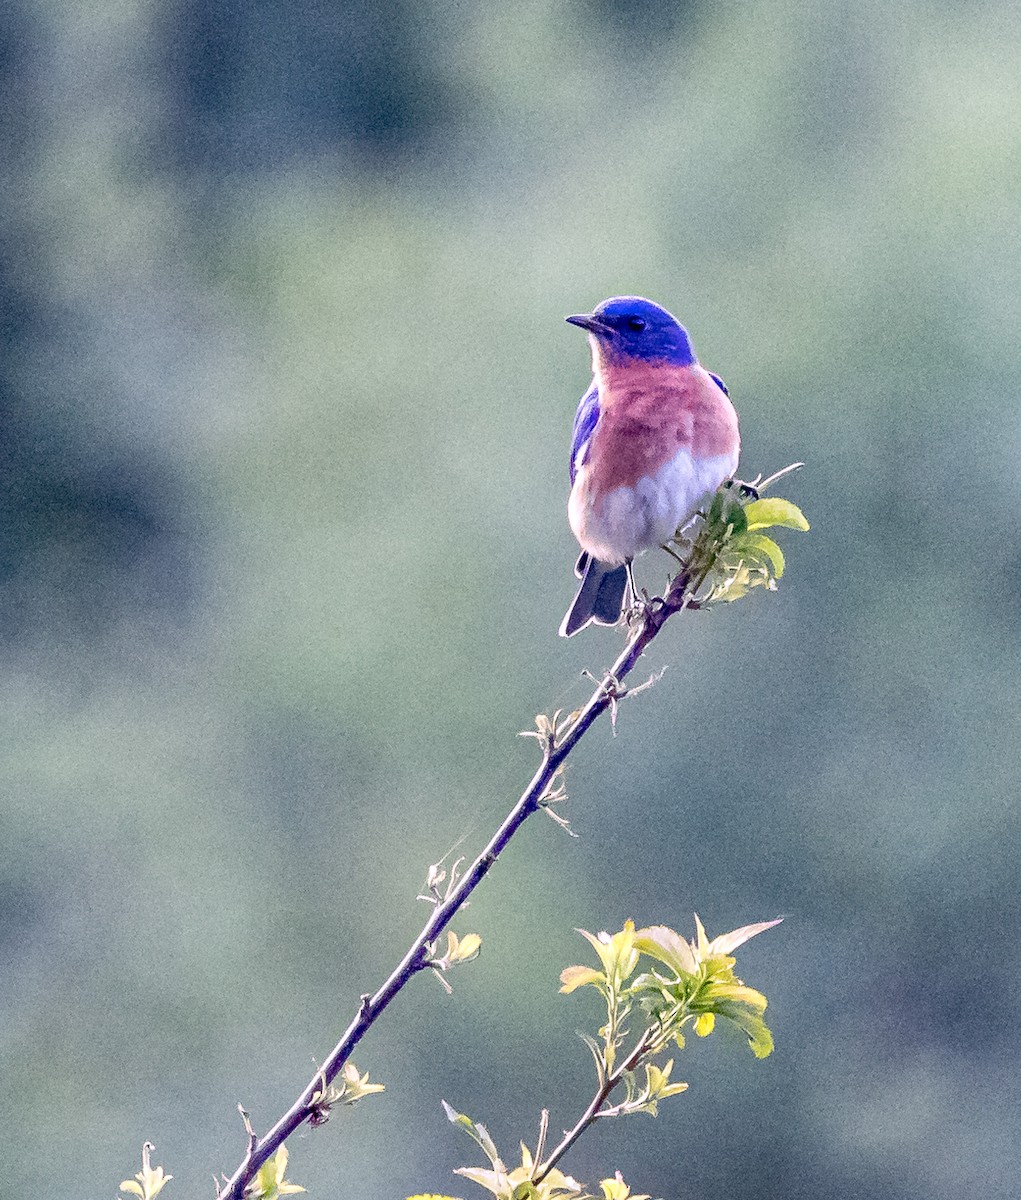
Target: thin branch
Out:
[651,618]
[594,1109]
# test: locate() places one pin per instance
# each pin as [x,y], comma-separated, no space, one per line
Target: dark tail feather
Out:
[600,597]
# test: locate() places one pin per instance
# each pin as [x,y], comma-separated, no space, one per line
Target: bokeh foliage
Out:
[285,399]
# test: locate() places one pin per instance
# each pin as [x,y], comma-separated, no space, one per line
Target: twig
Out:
[555,751]
[593,1111]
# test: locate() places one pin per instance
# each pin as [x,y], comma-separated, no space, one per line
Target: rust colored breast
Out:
[650,411]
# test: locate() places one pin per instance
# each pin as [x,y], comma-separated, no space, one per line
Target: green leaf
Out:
[662,943]
[270,1181]
[736,993]
[617,1189]
[356,1087]
[657,1082]
[466,948]
[576,977]
[493,1181]
[150,1180]
[734,516]
[760,1040]
[478,1132]
[757,545]
[715,512]
[726,508]
[725,942]
[616,952]
[764,513]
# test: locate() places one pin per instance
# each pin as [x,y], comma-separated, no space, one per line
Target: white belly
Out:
[628,520]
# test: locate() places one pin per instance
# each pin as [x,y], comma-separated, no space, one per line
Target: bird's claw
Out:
[642,607]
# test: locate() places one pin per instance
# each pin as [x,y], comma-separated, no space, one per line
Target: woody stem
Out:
[592,1112]
[261,1149]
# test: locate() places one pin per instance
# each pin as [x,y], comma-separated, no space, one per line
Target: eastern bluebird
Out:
[653,436]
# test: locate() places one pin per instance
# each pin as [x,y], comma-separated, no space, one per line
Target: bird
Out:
[653,437]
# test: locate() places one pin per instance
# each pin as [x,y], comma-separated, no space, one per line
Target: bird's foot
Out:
[642,607]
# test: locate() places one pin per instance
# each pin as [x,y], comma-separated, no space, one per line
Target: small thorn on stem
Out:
[614,691]
[444,983]
[250,1130]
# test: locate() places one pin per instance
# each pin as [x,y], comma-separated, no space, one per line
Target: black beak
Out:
[590,322]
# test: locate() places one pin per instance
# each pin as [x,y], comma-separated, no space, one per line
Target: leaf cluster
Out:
[687,984]
[669,984]
[353,1086]
[727,552]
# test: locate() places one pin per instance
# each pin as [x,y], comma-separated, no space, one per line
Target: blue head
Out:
[631,327]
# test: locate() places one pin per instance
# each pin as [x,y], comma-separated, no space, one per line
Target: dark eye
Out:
[636,323]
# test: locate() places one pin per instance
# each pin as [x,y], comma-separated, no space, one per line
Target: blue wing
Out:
[584,423]
[719,383]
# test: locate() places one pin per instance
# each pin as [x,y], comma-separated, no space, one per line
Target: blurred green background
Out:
[286,399]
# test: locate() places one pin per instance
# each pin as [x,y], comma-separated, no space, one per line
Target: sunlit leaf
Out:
[617,1189]
[726,942]
[150,1180]
[468,947]
[270,1182]
[771,510]
[668,947]
[478,1132]
[702,948]
[757,545]
[738,993]
[616,952]
[760,1040]
[493,1181]
[576,977]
